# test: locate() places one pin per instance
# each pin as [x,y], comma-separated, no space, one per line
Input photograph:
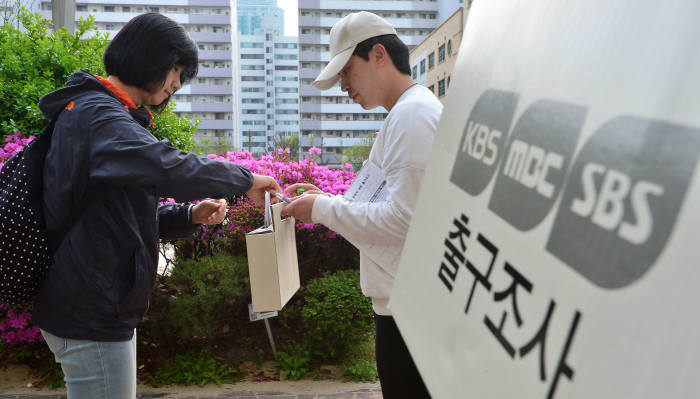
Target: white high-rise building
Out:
[209,97]
[329,119]
[269,87]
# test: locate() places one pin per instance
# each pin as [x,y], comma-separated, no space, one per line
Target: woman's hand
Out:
[261,184]
[209,212]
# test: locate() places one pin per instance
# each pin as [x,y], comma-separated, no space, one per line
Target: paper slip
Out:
[370,186]
[255,316]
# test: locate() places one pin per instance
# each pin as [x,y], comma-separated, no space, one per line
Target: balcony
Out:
[215,73]
[225,124]
[215,55]
[340,125]
[211,37]
[368,5]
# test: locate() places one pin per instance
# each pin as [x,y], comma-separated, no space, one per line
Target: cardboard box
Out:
[272,262]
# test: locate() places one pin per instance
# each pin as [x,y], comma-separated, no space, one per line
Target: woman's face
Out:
[171,85]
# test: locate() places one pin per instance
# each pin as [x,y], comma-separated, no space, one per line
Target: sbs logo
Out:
[623,192]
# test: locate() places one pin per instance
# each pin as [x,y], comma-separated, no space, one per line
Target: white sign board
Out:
[555,248]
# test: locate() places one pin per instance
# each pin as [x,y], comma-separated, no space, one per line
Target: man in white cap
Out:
[372,65]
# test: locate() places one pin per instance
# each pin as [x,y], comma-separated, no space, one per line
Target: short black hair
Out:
[394,46]
[147,48]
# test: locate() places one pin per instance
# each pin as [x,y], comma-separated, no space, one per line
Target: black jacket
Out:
[103,272]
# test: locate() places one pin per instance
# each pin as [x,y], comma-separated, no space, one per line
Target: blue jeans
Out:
[95,369]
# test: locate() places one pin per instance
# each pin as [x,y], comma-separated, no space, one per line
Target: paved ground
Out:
[270,390]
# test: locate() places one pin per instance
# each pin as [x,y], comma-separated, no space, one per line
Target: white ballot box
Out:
[272,261]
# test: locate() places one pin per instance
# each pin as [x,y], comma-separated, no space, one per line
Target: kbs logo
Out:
[623,191]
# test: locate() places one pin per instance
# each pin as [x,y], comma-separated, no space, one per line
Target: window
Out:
[252,67]
[285,56]
[252,78]
[431,60]
[251,45]
[81,7]
[286,67]
[285,45]
[219,99]
[124,9]
[109,27]
[219,115]
[217,29]
[415,72]
[422,66]
[154,9]
[172,9]
[449,47]
[109,8]
[441,87]
[441,53]
[252,56]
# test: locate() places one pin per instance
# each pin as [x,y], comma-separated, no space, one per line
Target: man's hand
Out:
[301,207]
[209,212]
[261,184]
[306,188]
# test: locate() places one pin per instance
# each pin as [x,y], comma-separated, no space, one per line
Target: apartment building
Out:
[269,87]
[329,119]
[433,60]
[251,12]
[210,97]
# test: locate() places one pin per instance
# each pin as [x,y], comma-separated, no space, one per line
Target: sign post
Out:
[565,262]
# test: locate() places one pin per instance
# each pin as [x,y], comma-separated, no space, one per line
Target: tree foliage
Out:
[35,61]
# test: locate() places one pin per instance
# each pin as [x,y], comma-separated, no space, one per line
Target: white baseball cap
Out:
[346,34]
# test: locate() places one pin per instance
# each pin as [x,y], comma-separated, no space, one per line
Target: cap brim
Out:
[329,76]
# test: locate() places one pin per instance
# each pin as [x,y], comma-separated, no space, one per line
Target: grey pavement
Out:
[373,391]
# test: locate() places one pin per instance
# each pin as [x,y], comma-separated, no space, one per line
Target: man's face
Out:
[357,78]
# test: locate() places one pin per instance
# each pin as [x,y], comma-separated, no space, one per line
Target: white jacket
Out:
[401,150]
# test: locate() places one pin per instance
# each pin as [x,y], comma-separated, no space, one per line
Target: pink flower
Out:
[314,150]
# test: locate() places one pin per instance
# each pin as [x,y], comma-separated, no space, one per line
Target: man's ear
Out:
[380,54]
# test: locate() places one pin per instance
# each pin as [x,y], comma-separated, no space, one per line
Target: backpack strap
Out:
[35,158]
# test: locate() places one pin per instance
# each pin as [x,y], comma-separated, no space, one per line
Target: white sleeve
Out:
[406,148]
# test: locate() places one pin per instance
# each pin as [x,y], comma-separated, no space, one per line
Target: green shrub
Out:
[206,294]
[35,61]
[335,315]
[294,359]
[179,131]
[359,370]
[190,368]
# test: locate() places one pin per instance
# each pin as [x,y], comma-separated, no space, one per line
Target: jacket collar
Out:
[137,112]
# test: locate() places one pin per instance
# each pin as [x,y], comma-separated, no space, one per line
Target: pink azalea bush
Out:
[315,243]
[12,145]
[15,328]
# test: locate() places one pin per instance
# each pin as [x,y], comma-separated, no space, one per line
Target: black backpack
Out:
[26,248]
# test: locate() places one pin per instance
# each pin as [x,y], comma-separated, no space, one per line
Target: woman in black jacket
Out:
[105,173]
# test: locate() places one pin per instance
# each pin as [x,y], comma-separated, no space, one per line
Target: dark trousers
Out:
[398,374]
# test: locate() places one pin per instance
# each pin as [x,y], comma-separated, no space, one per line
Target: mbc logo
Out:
[621,195]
